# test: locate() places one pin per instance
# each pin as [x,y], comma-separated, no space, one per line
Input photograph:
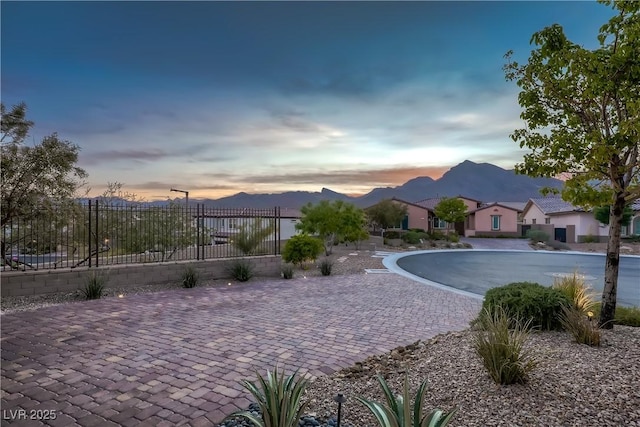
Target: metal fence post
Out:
[97,228]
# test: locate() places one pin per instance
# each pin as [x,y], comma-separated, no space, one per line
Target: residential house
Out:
[562,220]
[634,225]
[495,219]
[223,223]
[440,224]
[417,216]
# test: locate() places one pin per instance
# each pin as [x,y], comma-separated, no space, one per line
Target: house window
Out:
[495,222]
[439,223]
[533,221]
[233,224]
[524,221]
[547,220]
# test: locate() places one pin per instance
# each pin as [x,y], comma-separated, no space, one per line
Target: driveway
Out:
[488,243]
[175,357]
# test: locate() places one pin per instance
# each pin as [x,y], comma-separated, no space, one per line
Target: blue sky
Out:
[221,97]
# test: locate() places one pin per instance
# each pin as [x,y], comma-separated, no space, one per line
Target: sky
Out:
[217,98]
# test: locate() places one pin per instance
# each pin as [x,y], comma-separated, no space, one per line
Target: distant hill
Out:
[481,181]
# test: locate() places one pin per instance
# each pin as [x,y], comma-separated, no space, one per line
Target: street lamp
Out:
[182,191]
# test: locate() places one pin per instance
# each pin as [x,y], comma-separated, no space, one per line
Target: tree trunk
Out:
[612,265]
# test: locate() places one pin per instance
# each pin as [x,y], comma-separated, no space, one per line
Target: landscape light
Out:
[340,399]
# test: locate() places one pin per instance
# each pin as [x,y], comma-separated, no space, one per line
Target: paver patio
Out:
[175,357]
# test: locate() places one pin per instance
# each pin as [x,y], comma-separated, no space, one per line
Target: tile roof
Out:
[635,206]
[551,205]
[429,203]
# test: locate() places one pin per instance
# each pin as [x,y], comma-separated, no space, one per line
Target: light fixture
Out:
[340,398]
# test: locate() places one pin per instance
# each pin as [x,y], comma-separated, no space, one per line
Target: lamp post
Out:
[186,194]
[340,399]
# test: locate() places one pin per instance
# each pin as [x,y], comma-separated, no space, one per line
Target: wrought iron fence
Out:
[99,233]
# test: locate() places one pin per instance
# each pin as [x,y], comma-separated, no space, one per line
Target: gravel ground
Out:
[573,384]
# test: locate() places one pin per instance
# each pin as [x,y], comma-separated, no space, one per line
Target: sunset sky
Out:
[220,97]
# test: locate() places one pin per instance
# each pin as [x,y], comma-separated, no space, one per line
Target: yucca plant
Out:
[241,270]
[325,267]
[400,412]
[287,272]
[190,277]
[500,344]
[279,398]
[575,288]
[581,325]
[94,285]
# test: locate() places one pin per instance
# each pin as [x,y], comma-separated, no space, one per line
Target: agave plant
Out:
[279,400]
[399,411]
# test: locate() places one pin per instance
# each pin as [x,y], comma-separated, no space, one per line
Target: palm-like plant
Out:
[279,400]
[399,411]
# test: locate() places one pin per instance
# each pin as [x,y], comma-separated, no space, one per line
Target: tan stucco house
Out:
[494,219]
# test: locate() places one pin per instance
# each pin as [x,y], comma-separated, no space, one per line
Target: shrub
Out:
[413,237]
[301,248]
[453,237]
[94,285]
[537,236]
[190,277]
[500,345]
[626,316]
[437,235]
[576,291]
[558,245]
[287,272]
[279,399]
[325,267]
[590,239]
[241,270]
[400,412]
[392,235]
[581,325]
[528,301]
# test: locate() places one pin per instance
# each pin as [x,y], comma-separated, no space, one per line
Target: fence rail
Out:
[99,233]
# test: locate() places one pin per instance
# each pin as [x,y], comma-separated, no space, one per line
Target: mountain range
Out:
[480,181]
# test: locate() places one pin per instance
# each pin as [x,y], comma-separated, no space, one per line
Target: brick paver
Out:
[175,357]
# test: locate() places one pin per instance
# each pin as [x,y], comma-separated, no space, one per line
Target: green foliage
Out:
[287,272]
[590,238]
[332,221]
[626,316]
[602,214]
[301,248]
[386,214]
[529,301]
[400,412]
[241,270]
[581,325]
[451,209]
[500,345]
[190,277]
[279,398]
[537,236]
[413,237]
[94,285]
[325,267]
[453,237]
[437,235]
[581,109]
[251,236]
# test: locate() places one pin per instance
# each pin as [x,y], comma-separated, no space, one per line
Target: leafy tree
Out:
[331,221]
[36,181]
[386,213]
[581,108]
[301,248]
[603,214]
[451,209]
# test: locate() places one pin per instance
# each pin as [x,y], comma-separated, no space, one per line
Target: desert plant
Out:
[400,412]
[500,345]
[190,277]
[626,316]
[241,270]
[325,267]
[251,236]
[528,301]
[590,238]
[287,272]
[453,237]
[558,245]
[279,398]
[94,285]
[537,236]
[577,291]
[301,248]
[581,325]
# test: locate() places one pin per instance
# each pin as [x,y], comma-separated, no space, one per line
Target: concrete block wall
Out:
[20,283]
